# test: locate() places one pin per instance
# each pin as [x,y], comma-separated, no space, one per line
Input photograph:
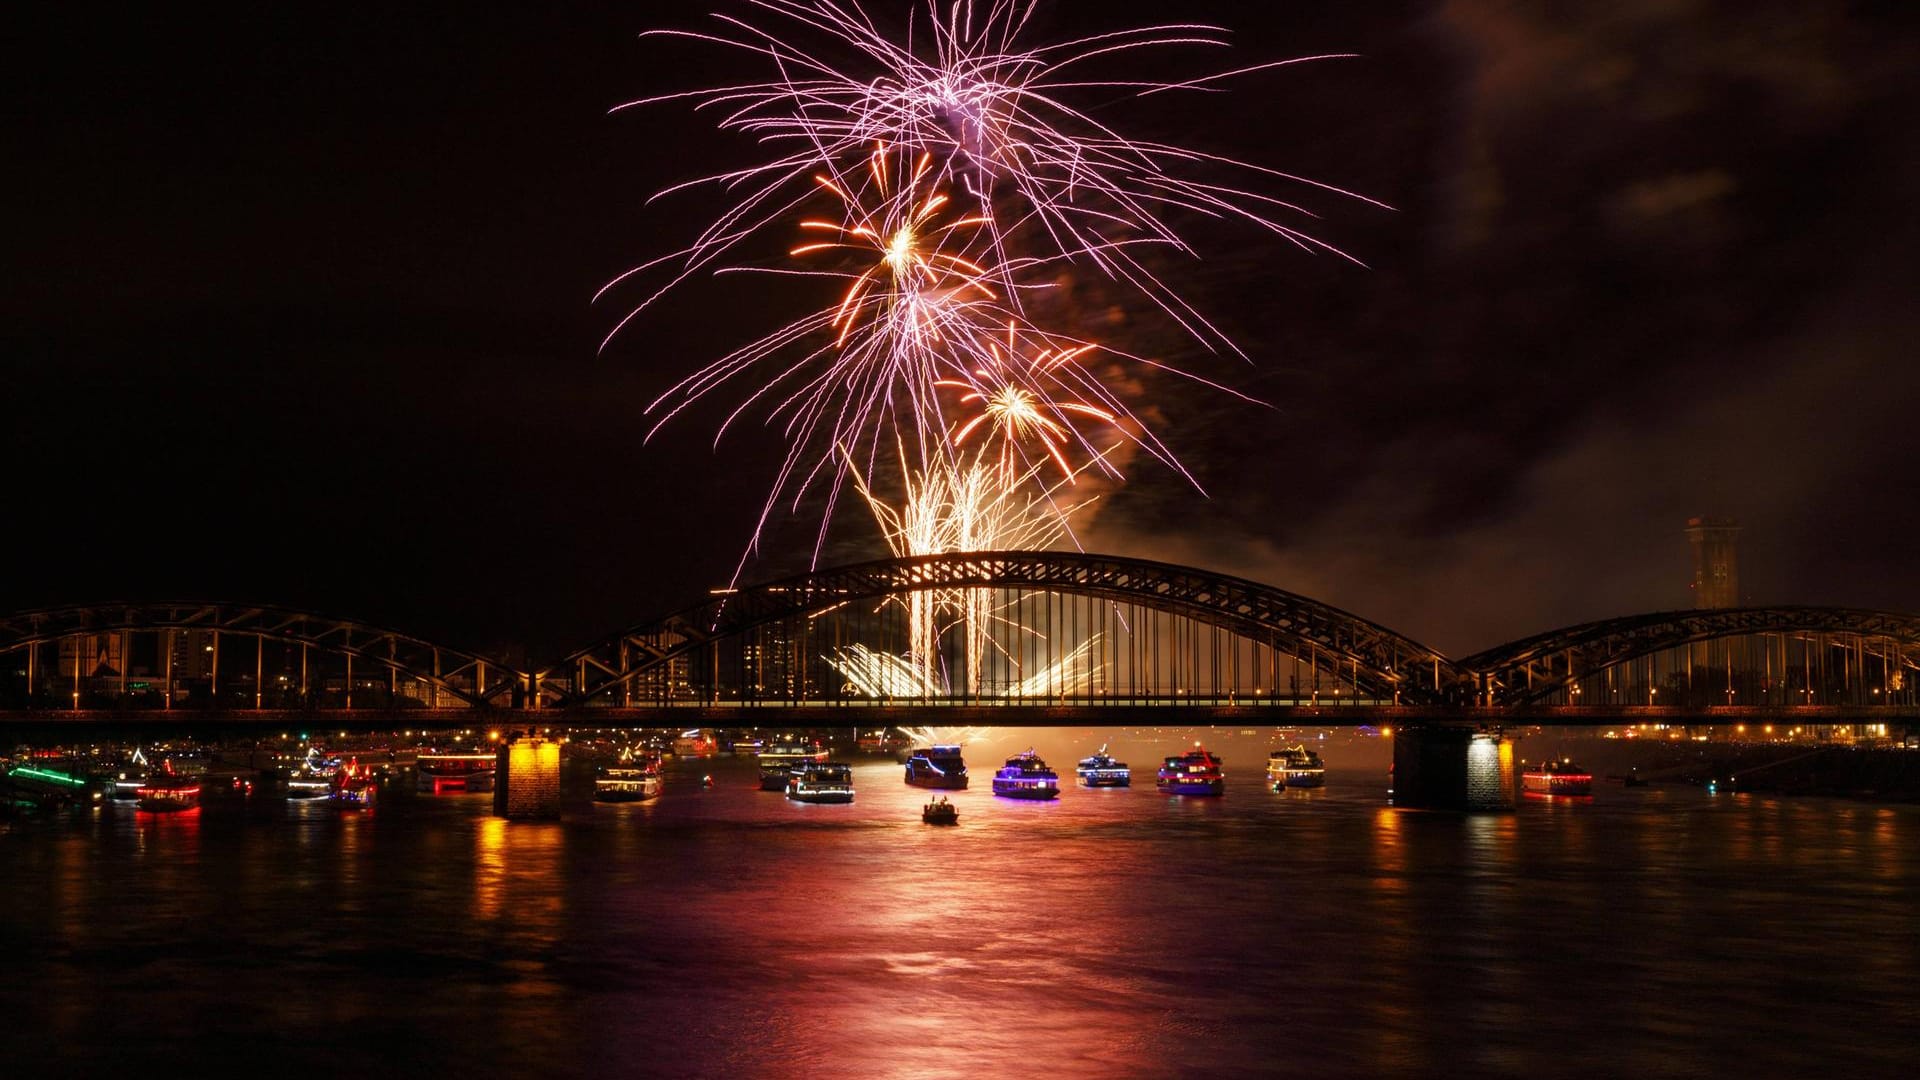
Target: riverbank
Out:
[1877,774]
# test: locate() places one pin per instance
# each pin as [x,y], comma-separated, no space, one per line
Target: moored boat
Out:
[1025,776]
[1556,778]
[821,782]
[1195,772]
[940,812]
[1101,770]
[1295,766]
[941,767]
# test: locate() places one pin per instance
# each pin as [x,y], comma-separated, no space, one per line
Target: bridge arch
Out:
[1771,655]
[1352,651]
[159,654]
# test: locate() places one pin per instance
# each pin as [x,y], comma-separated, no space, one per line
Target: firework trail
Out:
[958,506]
[923,309]
[965,178]
[998,119]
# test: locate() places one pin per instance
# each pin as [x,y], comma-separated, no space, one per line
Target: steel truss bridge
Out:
[1020,638]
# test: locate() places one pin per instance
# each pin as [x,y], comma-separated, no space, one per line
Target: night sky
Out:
[298,310]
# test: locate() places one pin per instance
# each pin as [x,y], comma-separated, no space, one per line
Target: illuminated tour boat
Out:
[940,812]
[1295,766]
[166,792]
[440,773]
[353,787]
[875,742]
[312,778]
[778,761]
[634,779]
[821,782]
[695,743]
[1195,772]
[1101,770]
[1025,776]
[937,767]
[1556,778]
[128,787]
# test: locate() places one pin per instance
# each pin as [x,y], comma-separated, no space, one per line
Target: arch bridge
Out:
[998,637]
[1013,627]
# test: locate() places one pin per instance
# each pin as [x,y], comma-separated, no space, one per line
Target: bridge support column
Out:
[1440,767]
[526,779]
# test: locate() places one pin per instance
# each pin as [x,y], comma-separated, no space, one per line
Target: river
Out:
[725,931]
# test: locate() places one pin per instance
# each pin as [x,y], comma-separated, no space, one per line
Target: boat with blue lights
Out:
[821,782]
[353,787]
[1025,776]
[940,767]
[1295,766]
[1195,772]
[777,762]
[313,777]
[1101,770]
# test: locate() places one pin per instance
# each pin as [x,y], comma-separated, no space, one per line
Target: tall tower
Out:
[1716,561]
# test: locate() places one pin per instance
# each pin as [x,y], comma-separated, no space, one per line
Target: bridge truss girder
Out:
[1377,661]
[1533,670]
[450,677]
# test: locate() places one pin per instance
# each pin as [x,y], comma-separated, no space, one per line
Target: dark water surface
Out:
[728,932]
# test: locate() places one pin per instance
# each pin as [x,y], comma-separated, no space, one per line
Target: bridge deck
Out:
[802,715]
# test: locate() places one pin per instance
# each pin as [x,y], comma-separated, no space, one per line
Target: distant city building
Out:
[1716,561]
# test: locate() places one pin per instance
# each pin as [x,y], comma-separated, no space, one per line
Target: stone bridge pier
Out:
[1441,766]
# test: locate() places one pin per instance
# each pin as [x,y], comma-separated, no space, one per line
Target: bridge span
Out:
[1018,638]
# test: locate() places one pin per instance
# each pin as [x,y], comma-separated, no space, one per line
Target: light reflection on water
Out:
[729,932]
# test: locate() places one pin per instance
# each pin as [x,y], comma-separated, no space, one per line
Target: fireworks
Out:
[963,178]
[997,116]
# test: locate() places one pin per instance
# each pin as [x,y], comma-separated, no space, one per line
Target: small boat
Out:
[940,812]
[1101,770]
[940,767]
[821,782]
[777,762]
[1556,778]
[1025,776]
[1295,766]
[1195,772]
[353,787]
